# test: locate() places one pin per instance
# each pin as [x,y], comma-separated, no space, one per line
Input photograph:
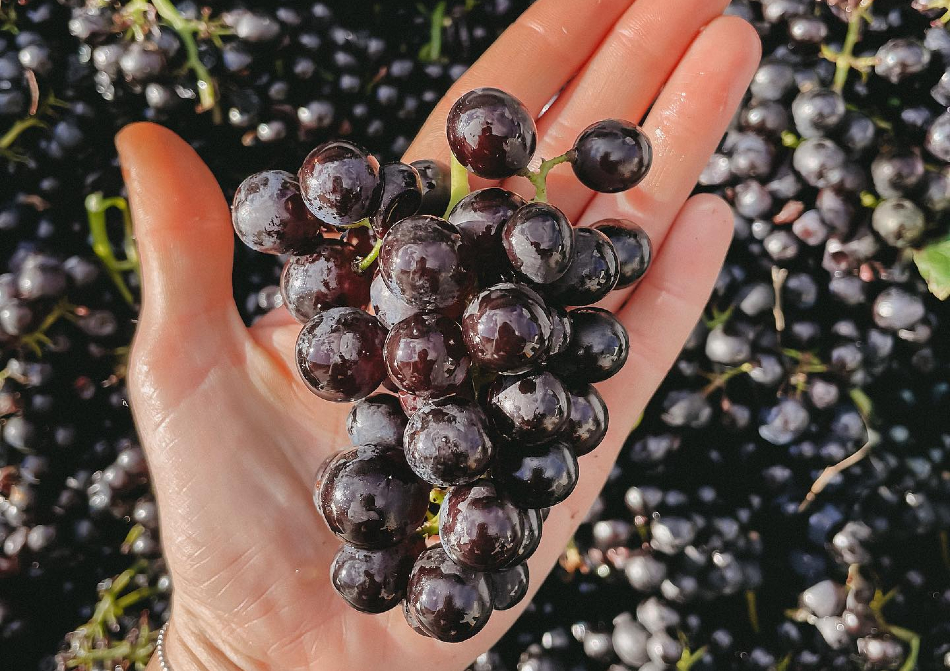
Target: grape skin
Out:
[480,527]
[447,442]
[425,355]
[325,279]
[269,215]
[421,261]
[446,601]
[339,183]
[491,133]
[370,498]
[612,156]
[339,354]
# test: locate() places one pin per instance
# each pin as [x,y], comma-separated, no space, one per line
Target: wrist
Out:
[186,649]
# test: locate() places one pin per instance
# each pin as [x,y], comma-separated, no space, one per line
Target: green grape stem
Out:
[432,50]
[539,179]
[186,29]
[844,60]
[458,177]
[370,258]
[96,207]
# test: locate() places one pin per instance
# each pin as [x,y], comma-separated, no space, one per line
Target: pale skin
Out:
[234,438]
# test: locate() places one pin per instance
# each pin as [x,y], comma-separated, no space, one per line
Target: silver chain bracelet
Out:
[160,649]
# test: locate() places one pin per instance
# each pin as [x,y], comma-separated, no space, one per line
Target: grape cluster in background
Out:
[784,503]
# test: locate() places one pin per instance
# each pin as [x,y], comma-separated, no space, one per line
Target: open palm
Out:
[234,437]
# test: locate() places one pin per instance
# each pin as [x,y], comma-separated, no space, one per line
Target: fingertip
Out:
[712,216]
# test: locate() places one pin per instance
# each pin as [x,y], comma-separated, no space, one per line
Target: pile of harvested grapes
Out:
[784,504]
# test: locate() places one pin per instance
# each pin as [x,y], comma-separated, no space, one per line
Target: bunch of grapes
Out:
[470,325]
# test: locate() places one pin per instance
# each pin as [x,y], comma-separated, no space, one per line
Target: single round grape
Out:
[328,278]
[446,601]
[612,156]
[533,522]
[479,217]
[539,242]
[598,348]
[370,497]
[561,330]
[373,581]
[421,261]
[401,195]
[479,526]
[587,425]
[447,442]
[506,329]
[899,221]
[633,247]
[491,133]
[538,476]
[509,586]
[593,274]
[533,407]
[340,354]
[269,215]
[436,186]
[426,355]
[377,420]
[388,307]
[340,183]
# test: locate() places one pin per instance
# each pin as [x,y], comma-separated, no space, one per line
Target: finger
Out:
[621,81]
[561,34]
[685,126]
[183,231]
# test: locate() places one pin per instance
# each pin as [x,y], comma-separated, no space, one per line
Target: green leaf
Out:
[933,262]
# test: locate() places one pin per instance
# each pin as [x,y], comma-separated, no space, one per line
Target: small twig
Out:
[779,275]
[539,179]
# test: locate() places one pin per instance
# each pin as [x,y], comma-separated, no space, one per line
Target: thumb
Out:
[185,240]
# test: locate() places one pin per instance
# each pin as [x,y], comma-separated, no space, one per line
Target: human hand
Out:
[234,437]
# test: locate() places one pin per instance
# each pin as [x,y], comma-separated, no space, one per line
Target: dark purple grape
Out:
[269,215]
[480,527]
[533,521]
[479,217]
[421,261]
[612,156]
[598,348]
[593,274]
[561,330]
[588,422]
[539,242]
[509,586]
[447,442]
[506,329]
[401,195]
[328,278]
[389,308]
[340,354]
[533,407]
[373,581]
[436,186]
[340,183]
[491,133]
[370,497]
[538,476]
[446,601]
[633,247]
[426,355]
[377,420]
